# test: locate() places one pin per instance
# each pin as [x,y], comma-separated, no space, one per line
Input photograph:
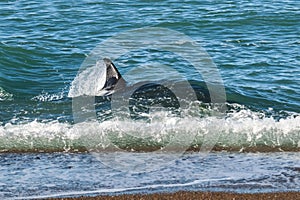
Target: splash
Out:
[5,96]
[46,97]
[89,81]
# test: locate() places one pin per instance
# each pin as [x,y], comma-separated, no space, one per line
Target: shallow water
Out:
[60,174]
[253,45]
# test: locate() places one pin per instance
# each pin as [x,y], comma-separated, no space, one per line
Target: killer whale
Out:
[116,83]
[113,77]
[143,96]
[140,99]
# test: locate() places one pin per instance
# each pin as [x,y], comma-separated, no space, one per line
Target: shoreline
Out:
[189,195]
[215,149]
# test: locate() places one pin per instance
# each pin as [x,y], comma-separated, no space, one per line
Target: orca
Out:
[113,77]
[116,83]
[143,96]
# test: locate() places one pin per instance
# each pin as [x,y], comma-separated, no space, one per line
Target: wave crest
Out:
[242,130]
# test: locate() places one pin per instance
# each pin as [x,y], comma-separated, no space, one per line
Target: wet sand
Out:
[195,195]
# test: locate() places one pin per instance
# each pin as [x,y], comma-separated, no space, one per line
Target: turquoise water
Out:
[254,45]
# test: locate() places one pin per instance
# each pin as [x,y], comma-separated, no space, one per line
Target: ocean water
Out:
[50,69]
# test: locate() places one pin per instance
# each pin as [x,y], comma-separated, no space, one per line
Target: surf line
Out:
[117,190]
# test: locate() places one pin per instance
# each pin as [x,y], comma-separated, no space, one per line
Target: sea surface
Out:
[57,139]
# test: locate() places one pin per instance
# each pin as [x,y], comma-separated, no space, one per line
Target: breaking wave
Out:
[240,130]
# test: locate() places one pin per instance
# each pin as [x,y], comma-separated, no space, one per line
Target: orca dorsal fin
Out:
[113,76]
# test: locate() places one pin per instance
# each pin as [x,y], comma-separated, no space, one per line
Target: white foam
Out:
[5,96]
[236,129]
[46,97]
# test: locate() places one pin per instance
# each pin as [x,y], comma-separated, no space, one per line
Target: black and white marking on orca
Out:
[113,77]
